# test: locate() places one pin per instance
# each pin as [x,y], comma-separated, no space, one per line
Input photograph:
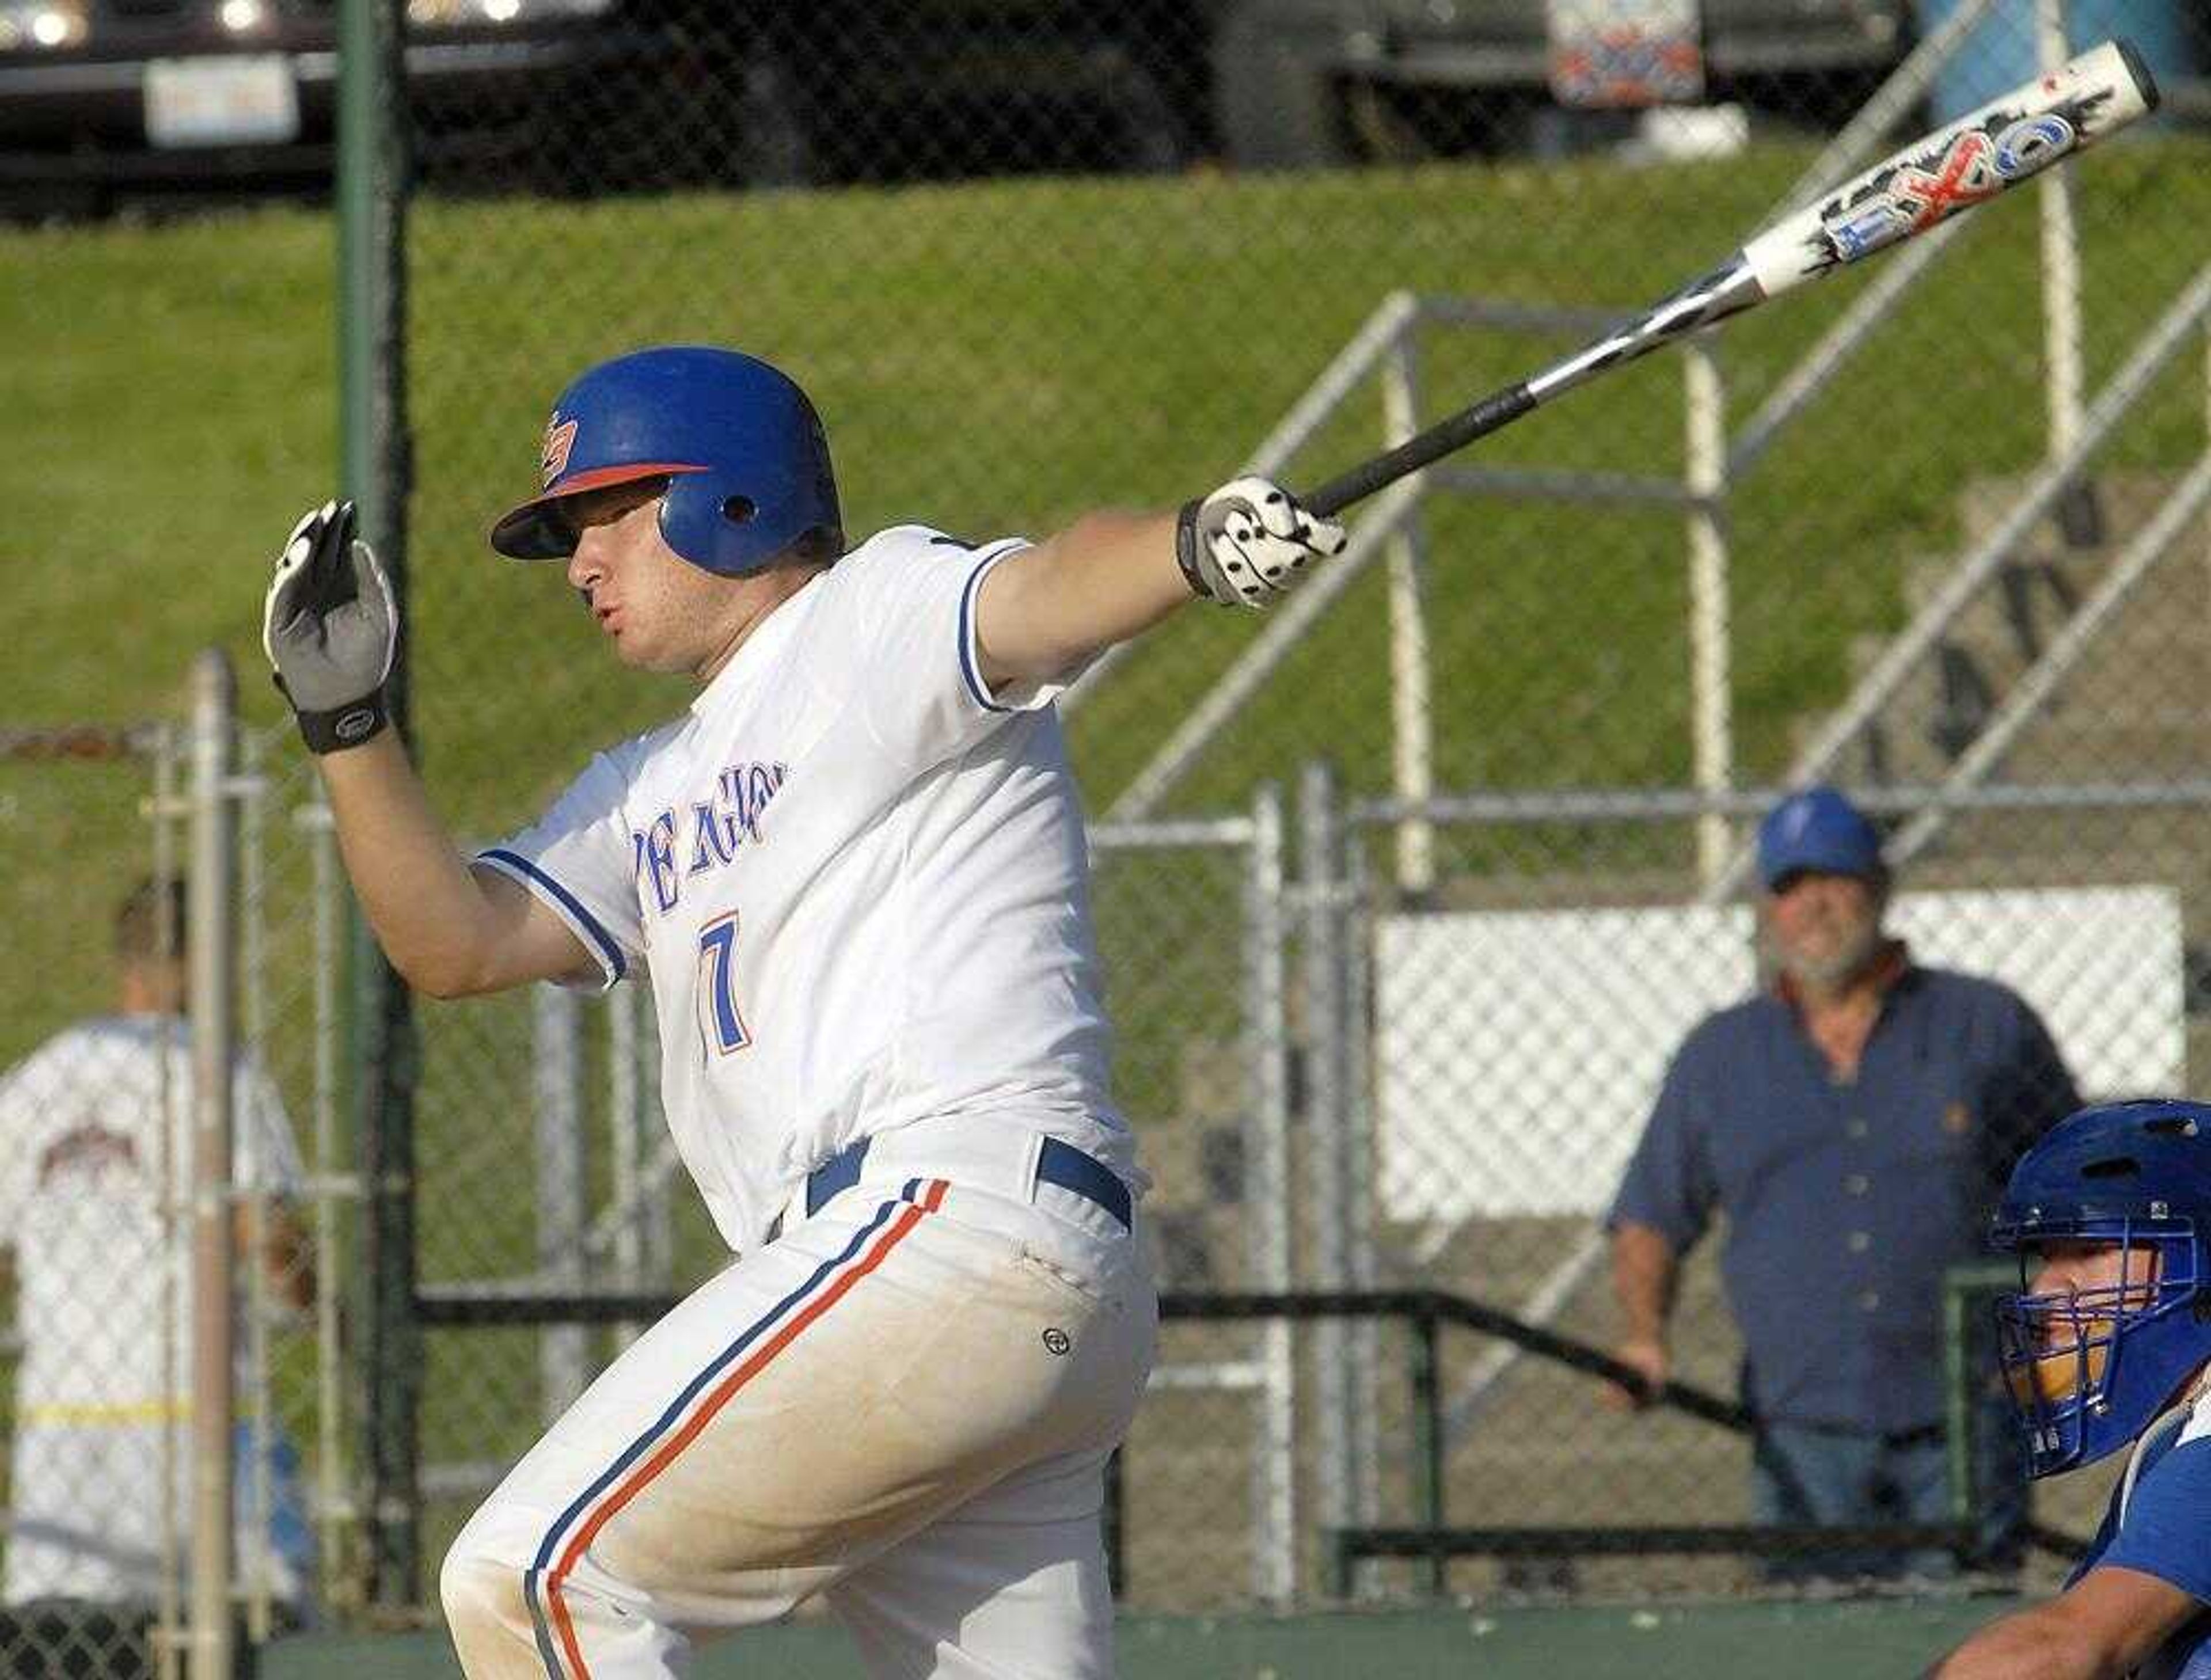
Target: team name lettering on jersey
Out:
[677,845]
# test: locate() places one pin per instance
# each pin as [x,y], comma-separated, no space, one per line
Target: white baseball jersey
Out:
[857,880]
[86,1122]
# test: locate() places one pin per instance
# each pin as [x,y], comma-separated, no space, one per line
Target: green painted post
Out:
[1428,1438]
[1963,1287]
[383,1058]
[1340,1565]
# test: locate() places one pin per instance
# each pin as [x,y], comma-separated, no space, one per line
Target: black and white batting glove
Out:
[329,629]
[1250,542]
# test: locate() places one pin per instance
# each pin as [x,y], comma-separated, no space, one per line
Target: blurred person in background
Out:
[96,1177]
[2106,1346]
[1855,1122]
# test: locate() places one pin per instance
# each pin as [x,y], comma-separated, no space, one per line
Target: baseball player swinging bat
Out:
[1974,159]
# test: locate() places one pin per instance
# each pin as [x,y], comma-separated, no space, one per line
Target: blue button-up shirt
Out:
[1847,1199]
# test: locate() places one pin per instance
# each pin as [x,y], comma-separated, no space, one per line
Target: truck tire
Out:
[1272,93]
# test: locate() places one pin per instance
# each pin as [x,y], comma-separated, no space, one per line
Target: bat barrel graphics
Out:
[2006,140]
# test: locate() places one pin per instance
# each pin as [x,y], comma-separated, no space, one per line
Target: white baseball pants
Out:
[904,1402]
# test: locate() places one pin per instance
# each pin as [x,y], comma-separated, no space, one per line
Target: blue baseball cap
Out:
[1817,830]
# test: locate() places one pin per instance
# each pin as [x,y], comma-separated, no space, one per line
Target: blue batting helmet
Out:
[2089,1370]
[746,461]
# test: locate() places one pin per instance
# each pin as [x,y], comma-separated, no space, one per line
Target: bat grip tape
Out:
[1500,409]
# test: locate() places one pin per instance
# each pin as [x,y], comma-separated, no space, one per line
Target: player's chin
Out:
[642,653]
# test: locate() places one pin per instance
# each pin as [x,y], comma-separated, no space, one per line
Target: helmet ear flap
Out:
[719,527]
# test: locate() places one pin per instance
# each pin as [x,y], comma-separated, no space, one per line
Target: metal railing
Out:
[1434,1540]
[1387,344]
[2152,355]
[2035,688]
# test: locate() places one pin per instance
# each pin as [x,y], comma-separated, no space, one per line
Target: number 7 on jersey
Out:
[720,1022]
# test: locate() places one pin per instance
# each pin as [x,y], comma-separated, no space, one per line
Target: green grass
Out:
[990,357]
[996,357]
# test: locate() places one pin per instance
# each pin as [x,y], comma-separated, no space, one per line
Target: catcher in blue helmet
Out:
[851,867]
[2105,1349]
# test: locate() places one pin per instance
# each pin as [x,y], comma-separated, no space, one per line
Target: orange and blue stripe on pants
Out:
[690,1412]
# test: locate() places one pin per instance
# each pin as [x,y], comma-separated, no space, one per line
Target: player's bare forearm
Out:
[1046,612]
[1109,576]
[449,930]
[2028,1646]
[2103,1627]
[330,625]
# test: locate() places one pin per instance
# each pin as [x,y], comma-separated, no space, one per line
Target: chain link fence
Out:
[1029,259]
[97,1113]
[1934,532]
[1523,1020]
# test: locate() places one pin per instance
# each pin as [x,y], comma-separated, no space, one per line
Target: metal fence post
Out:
[212,965]
[1712,709]
[2061,298]
[1353,1029]
[1957,1392]
[260,1402]
[640,1240]
[372,200]
[337,1511]
[1413,746]
[556,1025]
[1326,1102]
[1275,1562]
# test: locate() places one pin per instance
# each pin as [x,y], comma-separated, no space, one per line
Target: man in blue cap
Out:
[1854,1121]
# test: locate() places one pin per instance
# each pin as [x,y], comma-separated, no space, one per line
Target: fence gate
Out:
[1486,1053]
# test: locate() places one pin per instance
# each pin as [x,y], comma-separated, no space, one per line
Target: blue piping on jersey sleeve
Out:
[971,663]
[569,907]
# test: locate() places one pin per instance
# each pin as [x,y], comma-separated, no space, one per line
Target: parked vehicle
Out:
[101,99]
[99,95]
[901,89]
[1306,82]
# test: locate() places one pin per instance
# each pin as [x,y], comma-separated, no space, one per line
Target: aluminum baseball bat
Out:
[2009,140]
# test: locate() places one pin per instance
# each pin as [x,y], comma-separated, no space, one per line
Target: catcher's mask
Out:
[2087,1370]
[743,452]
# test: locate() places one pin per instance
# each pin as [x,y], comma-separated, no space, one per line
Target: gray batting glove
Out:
[329,629]
[1250,542]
